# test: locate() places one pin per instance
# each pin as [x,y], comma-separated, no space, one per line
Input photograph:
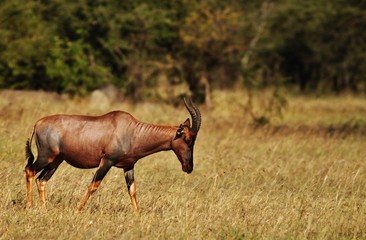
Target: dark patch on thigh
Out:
[49,141]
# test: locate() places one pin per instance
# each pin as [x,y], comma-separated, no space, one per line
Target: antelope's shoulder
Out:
[119,115]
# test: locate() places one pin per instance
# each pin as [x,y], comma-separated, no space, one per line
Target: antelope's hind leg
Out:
[43,178]
[29,175]
[30,172]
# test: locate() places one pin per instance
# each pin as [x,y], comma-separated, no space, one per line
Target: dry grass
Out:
[303,179]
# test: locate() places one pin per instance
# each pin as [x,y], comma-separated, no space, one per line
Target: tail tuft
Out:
[28,152]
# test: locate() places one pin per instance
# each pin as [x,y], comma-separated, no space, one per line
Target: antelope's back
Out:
[83,140]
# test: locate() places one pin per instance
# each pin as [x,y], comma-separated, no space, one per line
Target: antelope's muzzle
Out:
[188,163]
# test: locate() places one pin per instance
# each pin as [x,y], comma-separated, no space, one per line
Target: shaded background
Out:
[161,49]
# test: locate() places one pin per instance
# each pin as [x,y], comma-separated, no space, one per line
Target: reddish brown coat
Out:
[114,139]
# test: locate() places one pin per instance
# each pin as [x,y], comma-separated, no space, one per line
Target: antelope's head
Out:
[185,137]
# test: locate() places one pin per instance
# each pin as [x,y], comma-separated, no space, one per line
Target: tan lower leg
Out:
[91,189]
[42,191]
[29,175]
[132,193]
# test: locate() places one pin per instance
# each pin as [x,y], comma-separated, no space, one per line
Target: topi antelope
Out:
[114,139]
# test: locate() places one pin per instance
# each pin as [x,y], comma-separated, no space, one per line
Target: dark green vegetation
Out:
[77,46]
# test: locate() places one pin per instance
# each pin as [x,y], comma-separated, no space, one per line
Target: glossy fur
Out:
[115,139]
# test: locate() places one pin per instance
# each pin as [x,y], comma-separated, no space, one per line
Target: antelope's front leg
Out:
[103,168]
[131,187]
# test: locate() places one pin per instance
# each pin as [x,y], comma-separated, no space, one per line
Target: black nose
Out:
[188,169]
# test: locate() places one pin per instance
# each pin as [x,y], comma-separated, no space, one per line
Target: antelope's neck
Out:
[153,138]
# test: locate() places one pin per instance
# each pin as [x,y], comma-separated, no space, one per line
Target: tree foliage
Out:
[77,46]
[317,45]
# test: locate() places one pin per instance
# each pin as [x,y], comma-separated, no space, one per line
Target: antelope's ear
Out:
[187,123]
[179,132]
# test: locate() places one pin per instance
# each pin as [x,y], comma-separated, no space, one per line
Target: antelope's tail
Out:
[28,150]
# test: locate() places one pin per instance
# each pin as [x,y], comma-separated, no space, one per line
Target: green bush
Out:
[77,46]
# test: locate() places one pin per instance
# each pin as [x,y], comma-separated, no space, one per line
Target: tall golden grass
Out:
[303,177]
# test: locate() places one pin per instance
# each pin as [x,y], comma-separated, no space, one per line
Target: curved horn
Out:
[195,114]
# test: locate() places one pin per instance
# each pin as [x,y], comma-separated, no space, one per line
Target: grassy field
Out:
[303,177]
